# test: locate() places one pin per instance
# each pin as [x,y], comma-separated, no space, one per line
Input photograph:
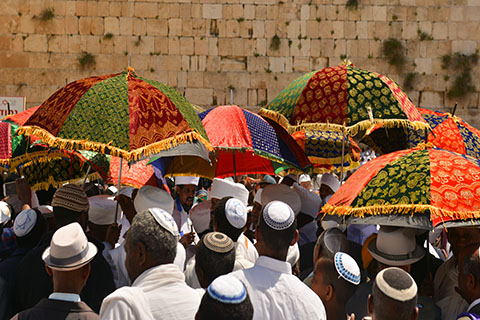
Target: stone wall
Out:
[256,47]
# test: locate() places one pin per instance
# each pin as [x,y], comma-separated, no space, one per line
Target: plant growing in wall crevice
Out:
[352,4]
[275,43]
[86,60]
[47,14]
[462,65]
[394,51]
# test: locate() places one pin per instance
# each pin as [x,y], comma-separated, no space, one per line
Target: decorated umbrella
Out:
[420,187]
[245,144]
[324,150]
[119,114]
[450,133]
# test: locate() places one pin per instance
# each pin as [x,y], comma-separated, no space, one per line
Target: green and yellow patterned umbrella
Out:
[343,97]
[118,114]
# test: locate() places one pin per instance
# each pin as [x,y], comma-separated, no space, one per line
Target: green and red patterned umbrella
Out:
[119,114]
[424,185]
[340,96]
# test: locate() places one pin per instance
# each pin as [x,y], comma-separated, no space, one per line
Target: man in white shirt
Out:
[274,291]
[158,287]
[185,188]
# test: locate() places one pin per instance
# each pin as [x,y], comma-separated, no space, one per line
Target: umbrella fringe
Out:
[351,130]
[45,185]
[435,213]
[135,155]
[38,156]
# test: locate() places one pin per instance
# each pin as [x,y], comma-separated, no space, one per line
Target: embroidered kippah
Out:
[278,215]
[347,267]
[227,289]
[71,197]
[236,213]
[164,219]
[396,284]
[24,222]
[218,242]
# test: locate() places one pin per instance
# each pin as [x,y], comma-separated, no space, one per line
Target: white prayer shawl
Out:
[247,248]
[445,296]
[166,291]
[116,260]
[127,303]
[277,294]
[191,276]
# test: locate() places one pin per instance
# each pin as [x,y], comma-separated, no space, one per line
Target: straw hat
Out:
[69,249]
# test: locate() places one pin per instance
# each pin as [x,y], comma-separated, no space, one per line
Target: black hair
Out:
[31,239]
[213,264]
[64,216]
[342,288]
[471,264]
[213,309]
[277,240]
[222,223]
[384,305]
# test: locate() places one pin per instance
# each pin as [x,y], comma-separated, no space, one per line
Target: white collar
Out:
[473,304]
[274,264]
[69,297]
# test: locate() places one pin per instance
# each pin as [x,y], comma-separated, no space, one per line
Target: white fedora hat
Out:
[69,249]
[395,247]
[153,197]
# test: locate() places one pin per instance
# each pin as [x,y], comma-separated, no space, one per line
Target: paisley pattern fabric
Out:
[342,95]
[424,180]
[120,114]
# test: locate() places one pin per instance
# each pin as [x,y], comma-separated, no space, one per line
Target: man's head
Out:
[394,293]
[102,214]
[226,298]
[230,217]
[222,188]
[329,184]
[152,197]
[462,237]
[330,242]
[266,180]
[277,230]
[68,258]
[29,228]
[215,256]
[334,280]
[185,188]
[305,181]
[151,241]
[70,204]
[257,207]
[396,247]
[469,273]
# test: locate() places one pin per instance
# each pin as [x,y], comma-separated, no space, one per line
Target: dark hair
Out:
[64,216]
[221,220]
[213,264]
[31,239]
[213,309]
[277,240]
[471,263]
[342,288]
[384,305]
[159,243]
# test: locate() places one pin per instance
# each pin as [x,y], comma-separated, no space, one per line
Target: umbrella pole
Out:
[454,109]
[234,165]
[86,176]
[343,154]
[118,188]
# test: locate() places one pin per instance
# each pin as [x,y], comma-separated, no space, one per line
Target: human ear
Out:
[330,292]
[295,238]
[370,304]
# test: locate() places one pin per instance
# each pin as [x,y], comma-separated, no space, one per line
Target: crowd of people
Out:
[246,248]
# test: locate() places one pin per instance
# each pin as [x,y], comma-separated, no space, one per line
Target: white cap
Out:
[310,201]
[5,213]
[180,181]
[224,188]
[200,216]
[102,209]
[282,193]
[236,213]
[153,197]
[258,196]
[24,222]
[227,289]
[347,267]
[304,178]
[331,181]
[165,220]
[278,215]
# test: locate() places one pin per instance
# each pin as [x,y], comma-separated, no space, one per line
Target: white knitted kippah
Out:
[227,289]
[278,215]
